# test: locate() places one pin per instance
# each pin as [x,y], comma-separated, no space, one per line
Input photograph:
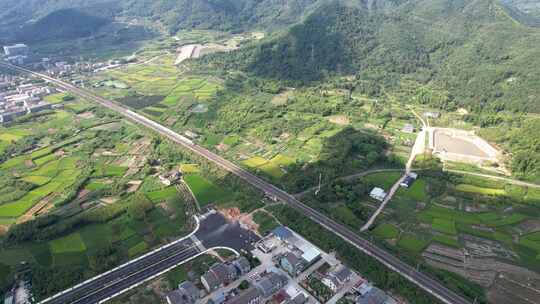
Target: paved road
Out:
[213,231]
[429,284]
[127,275]
[501,178]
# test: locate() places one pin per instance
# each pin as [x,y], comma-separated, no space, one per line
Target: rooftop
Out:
[282,233]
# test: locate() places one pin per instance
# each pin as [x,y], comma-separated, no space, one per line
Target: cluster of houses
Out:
[170,177]
[23,99]
[222,274]
[299,254]
[16,54]
[259,289]
[285,260]
[365,293]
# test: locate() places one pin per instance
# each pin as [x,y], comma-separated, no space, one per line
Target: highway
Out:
[427,283]
[118,280]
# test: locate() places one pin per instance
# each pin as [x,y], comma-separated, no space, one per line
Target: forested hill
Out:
[473,49]
[173,15]
[61,25]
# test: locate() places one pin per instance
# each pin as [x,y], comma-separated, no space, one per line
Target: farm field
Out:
[275,167]
[205,191]
[77,179]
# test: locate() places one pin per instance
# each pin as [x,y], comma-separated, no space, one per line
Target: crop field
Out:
[52,177]
[105,170]
[480,190]
[73,177]
[11,135]
[189,168]
[275,167]
[446,240]
[157,78]
[205,191]
[199,88]
[444,226]
[412,243]
[95,185]
[462,213]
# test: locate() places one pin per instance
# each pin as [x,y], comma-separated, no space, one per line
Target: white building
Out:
[16,50]
[378,194]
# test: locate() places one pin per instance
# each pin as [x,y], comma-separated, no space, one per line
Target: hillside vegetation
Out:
[62,24]
[173,15]
[474,49]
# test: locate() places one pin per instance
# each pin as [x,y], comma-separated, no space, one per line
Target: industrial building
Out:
[16,50]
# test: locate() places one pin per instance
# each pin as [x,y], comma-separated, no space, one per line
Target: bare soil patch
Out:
[109,200]
[86,115]
[341,120]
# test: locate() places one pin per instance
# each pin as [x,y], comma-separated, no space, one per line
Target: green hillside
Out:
[172,15]
[474,49]
[62,24]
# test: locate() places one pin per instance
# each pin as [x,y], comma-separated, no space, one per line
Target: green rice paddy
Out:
[205,191]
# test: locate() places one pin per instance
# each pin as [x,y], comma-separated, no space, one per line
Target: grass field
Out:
[162,195]
[231,140]
[412,244]
[205,191]
[70,243]
[95,185]
[55,98]
[386,231]
[416,192]
[383,180]
[444,226]
[345,215]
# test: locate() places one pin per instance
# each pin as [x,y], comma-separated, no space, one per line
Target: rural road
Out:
[418,148]
[500,178]
[347,178]
[430,285]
